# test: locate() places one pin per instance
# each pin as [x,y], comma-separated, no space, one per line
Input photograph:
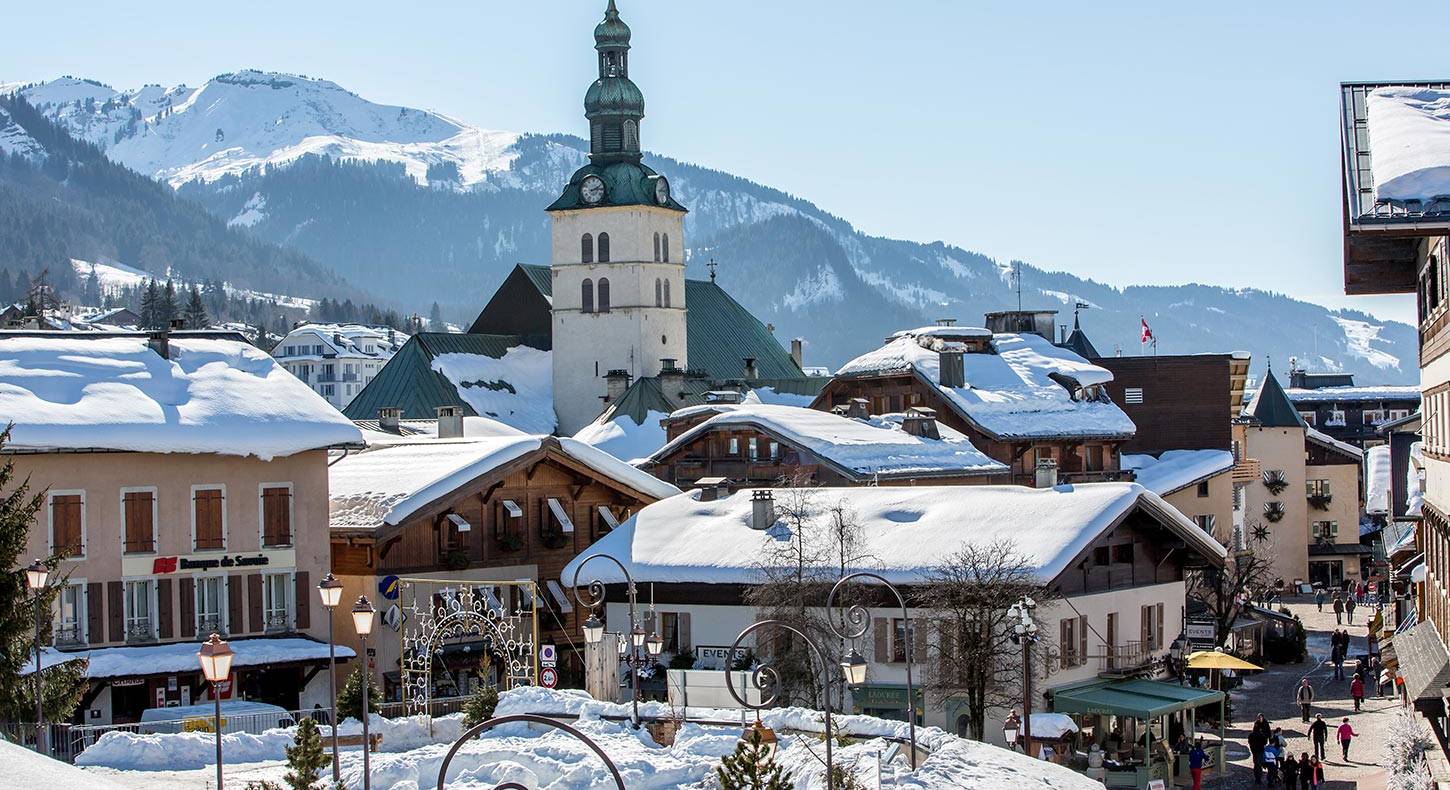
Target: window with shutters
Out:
[604,248]
[674,632]
[586,296]
[1203,489]
[603,294]
[70,619]
[276,514]
[1067,642]
[276,602]
[586,249]
[208,518]
[68,523]
[140,611]
[211,605]
[1205,523]
[138,517]
[898,640]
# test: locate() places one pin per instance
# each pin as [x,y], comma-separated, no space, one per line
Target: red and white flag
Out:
[1147,333]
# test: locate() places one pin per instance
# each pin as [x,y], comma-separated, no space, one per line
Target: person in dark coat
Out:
[1337,604]
[1304,771]
[1290,771]
[1319,734]
[1258,739]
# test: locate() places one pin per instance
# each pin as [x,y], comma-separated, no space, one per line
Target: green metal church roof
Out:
[721,333]
[625,184]
[409,382]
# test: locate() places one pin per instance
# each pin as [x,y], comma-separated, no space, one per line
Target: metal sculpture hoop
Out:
[462,609]
[854,623]
[765,673]
[528,718]
[595,598]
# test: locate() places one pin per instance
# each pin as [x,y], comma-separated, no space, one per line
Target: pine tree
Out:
[92,295]
[149,297]
[751,768]
[349,697]
[435,319]
[305,757]
[167,309]
[63,684]
[195,310]
[480,706]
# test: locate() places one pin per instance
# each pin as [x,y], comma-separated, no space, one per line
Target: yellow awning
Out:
[1212,659]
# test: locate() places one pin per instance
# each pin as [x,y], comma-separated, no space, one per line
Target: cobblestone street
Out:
[1272,693]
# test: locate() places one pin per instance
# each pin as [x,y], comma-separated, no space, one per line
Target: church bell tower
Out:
[618,247]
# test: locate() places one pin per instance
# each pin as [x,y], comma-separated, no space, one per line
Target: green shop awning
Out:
[1140,699]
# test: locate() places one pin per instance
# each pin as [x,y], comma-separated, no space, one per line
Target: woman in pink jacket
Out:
[1346,734]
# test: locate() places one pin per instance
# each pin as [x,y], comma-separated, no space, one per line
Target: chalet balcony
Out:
[1099,476]
[1247,470]
[1124,659]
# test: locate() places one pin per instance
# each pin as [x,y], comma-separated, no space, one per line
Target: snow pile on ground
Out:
[907,531]
[517,389]
[1176,469]
[26,770]
[1377,479]
[1010,390]
[624,438]
[859,447]
[112,393]
[1409,134]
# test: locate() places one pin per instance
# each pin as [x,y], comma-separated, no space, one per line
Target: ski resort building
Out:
[337,360]
[1333,403]
[184,480]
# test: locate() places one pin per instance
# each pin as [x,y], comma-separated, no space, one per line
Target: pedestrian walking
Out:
[1356,690]
[1290,770]
[1337,604]
[1305,697]
[1313,778]
[1319,598]
[1272,753]
[1349,611]
[1319,733]
[1197,758]
[1346,734]
[1258,739]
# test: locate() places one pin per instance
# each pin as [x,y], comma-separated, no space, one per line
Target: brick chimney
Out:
[1046,473]
[616,382]
[951,372]
[762,509]
[450,422]
[797,352]
[388,418]
[858,408]
[921,421]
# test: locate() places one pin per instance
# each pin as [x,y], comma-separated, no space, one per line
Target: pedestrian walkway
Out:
[1272,693]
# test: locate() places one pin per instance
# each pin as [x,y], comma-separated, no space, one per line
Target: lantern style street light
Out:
[636,648]
[35,578]
[330,591]
[216,666]
[1024,632]
[363,615]
[1010,728]
[853,666]
[758,733]
[853,626]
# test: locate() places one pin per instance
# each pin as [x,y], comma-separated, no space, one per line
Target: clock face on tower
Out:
[592,190]
[662,191]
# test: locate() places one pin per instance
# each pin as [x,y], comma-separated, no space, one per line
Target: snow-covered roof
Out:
[517,388]
[132,661]
[1316,435]
[906,531]
[115,393]
[859,448]
[624,438]
[1409,133]
[1377,479]
[1367,393]
[1177,469]
[387,483]
[341,340]
[1009,393]
[424,430]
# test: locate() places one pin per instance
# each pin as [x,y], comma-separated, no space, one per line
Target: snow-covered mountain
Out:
[423,207]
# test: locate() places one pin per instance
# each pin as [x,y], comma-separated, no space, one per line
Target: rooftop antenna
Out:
[711,266]
[1017,276]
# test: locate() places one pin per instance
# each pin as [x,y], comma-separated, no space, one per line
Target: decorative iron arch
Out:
[462,613]
[530,719]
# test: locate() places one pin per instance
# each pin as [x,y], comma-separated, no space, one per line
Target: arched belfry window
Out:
[586,249]
[665,247]
[603,294]
[659,293]
[657,246]
[604,248]
[631,136]
[586,296]
[667,293]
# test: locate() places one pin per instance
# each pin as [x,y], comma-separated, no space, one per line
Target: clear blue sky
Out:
[1134,144]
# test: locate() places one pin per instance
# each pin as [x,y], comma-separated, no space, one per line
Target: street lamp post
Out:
[1024,632]
[363,615]
[35,577]
[853,626]
[642,649]
[766,675]
[330,590]
[216,666]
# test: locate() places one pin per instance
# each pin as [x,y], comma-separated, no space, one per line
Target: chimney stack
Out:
[159,340]
[797,352]
[389,417]
[712,488]
[750,370]
[1046,473]
[762,509]
[672,382]
[921,421]
[616,382]
[858,409]
[450,422]
[950,369]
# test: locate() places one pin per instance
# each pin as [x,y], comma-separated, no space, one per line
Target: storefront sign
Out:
[128,682]
[717,656]
[1201,632]
[162,565]
[134,565]
[393,617]
[388,587]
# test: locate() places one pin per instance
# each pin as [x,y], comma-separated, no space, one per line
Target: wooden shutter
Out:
[1158,632]
[140,533]
[882,636]
[254,602]
[164,620]
[208,505]
[65,520]
[1145,627]
[116,610]
[304,600]
[276,517]
[1065,640]
[234,623]
[95,613]
[918,641]
[188,607]
[1082,640]
[683,625]
[1112,646]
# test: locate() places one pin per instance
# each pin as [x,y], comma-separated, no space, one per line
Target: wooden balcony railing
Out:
[1125,657]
